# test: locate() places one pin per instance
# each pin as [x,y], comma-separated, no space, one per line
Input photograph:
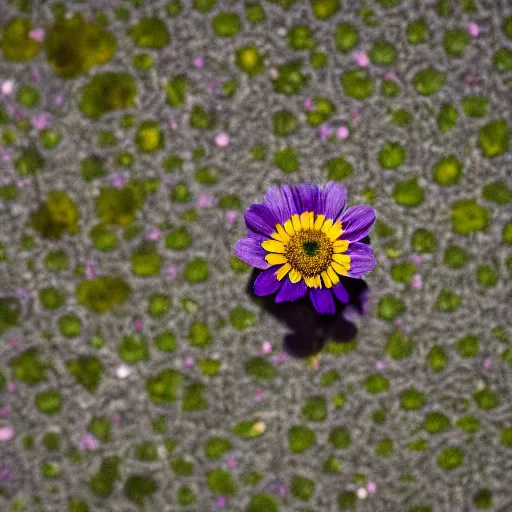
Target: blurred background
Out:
[136,373]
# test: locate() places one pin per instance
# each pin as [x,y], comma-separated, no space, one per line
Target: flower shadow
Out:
[309,329]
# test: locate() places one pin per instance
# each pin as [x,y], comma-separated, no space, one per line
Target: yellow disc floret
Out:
[307,246]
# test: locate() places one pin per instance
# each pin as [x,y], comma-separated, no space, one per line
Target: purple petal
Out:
[357,222]
[287,194]
[291,291]
[333,199]
[252,234]
[306,197]
[259,218]
[250,251]
[281,203]
[266,283]
[277,204]
[322,300]
[362,259]
[341,293]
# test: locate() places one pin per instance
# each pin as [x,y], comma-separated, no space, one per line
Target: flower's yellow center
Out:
[309,252]
[307,246]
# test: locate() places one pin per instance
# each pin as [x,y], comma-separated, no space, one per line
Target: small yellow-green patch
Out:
[486,399]
[149,137]
[57,216]
[107,92]
[324,9]
[468,217]
[450,458]
[250,60]
[390,307]
[428,81]
[315,409]
[287,160]
[447,118]
[417,31]
[74,45]
[447,171]
[408,193]
[103,293]
[448,301]
[28,367]
[139,489]
[383,53]
[226,24]
[300,438]
[346,37]
[376,384]
[17,46]
[357,84]
[150,33]
[290,78]
[455,42]
[302,488]
[165,386]
[494,138]
[49,401]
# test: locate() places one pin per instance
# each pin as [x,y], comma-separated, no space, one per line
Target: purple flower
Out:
[304,240]
[324,131]
[58,100]
[90,269]
[41,121]
[342,132]
[231,216]
[212,86]
[266,347]
[221,501]
[198,62]
[417,282]
[222,140]
[361,58]
[259,394]
[37,34]
[7,87]
[232,462]
[154,234]
[6,433]
[473,29]
[117,181]
[206,201]
[35,74]
[88,443]
[172,272]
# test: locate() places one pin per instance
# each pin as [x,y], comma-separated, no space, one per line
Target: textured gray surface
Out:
[231,394]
